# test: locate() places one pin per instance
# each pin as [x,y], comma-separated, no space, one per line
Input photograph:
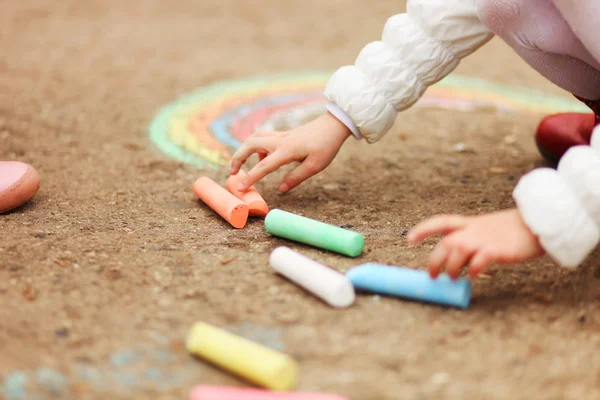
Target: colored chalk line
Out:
[204,127]
[151,365]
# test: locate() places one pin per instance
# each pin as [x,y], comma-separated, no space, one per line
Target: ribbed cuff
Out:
[553,212]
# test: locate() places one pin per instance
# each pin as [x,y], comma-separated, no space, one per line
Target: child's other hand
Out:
[500,237]
[314,145]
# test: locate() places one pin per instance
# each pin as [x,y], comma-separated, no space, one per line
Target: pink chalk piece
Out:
[239,393]
[19,182]
[257,205]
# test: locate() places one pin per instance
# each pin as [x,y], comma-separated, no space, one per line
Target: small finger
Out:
[437,259]
[442,224]
[457,259]
[249,147]
[479,263]
[299,174]
[270,164]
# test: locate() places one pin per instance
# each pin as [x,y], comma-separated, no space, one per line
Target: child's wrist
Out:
[344,119]
[335,127]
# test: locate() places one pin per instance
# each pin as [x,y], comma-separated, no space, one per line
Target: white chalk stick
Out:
[331,286]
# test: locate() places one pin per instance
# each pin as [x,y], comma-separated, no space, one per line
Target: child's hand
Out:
[500,237]
[314,145]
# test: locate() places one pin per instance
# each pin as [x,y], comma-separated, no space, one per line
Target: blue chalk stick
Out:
[412,284]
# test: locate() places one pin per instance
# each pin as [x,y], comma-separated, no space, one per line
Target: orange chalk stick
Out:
[257,205]
[232,209]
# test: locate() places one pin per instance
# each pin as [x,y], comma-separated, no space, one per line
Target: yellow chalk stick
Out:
[258,364]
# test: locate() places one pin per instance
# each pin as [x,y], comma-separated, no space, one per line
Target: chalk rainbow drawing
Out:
[204,127]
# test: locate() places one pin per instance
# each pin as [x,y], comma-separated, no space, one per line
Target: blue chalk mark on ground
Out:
[153,373]
[127,379]
[13,387]
[163,356]
[146,366]
[124,358]
[91,375]
[53,381]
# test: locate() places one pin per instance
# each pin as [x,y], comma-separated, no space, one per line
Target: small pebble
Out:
[177,346]
[463,148]
[439,378]
[510,139]
[459,147]
[113,274]
[287,317]
[30,293]
[462,333]
[553,319]
[228,260]
[547,298]
[62,332]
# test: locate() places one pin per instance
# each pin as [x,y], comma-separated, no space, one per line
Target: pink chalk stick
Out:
[239,393]
[257,206]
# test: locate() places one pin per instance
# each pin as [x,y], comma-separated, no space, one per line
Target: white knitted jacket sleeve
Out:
[417,49]
[562,207]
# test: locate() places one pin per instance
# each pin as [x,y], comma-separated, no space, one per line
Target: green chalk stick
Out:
[308,231]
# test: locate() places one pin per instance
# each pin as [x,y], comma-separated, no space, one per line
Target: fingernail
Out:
[240,187]
[284,187]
